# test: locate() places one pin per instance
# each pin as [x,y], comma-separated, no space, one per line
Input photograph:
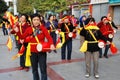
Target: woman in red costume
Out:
[35,35]
[22,26]
[108,32]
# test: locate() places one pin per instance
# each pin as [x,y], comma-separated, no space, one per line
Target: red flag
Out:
[11,18]
[113,48]
[22,49]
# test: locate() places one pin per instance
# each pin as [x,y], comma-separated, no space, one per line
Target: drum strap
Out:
[52,25]
[66,26]
[36,37]
[28,52]
[20,28]
[93,35]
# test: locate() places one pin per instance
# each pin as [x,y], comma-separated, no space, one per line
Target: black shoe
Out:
[21,68]
[100,56]
[55,51]
[26,69]
[105,56]
[49,51]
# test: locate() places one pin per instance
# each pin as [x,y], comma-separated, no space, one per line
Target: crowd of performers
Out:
[35,37]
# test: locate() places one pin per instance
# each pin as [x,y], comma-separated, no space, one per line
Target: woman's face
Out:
[36,21]
[51,18]
[84,18]
[104,20]
[54,17]
[23,19]
[110,18]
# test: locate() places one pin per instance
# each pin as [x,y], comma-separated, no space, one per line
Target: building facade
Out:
[114,9]
[103,7]
[99,8]
[75,10]
[85,9]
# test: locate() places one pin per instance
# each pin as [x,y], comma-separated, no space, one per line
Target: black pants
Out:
[54,37]
[22,57]
[5,32]
[39,59]
[67,44]
[106,50]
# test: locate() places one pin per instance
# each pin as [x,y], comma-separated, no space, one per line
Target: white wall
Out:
[98,1]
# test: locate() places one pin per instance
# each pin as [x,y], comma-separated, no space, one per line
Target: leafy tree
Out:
[24,6]
[53,5]
[46,5]
[3,6]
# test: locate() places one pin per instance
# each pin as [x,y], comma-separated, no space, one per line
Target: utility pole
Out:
[15,7]
[34,10]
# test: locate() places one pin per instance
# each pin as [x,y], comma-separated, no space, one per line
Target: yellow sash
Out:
[51,29]
[28,52]
[21,28]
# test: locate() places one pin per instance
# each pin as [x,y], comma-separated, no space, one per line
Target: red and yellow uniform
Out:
[22,47]
[40,36]
[106,29]
[108,32]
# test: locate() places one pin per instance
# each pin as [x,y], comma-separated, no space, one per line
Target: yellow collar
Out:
[92,27]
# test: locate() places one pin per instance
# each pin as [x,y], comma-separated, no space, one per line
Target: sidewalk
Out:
[58,70]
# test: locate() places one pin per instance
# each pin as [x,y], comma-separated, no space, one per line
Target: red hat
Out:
[105,19]
[65,17]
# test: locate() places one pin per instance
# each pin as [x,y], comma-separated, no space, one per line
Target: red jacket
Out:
[29,34]
[106,29]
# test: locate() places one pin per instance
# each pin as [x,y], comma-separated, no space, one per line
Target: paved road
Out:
[109,69]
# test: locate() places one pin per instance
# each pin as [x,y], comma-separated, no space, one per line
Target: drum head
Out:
[56,31]
[101,44]
[39,47]
[110,35]
[70,34]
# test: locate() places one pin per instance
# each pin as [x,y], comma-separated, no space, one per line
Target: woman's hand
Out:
[108,42]
[21,41]
[52,47]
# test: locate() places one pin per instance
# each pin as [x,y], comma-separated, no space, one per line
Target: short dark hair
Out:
[35,15]
[49,16]
[64,15]
[88,20]
[103,17]
[26,16]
